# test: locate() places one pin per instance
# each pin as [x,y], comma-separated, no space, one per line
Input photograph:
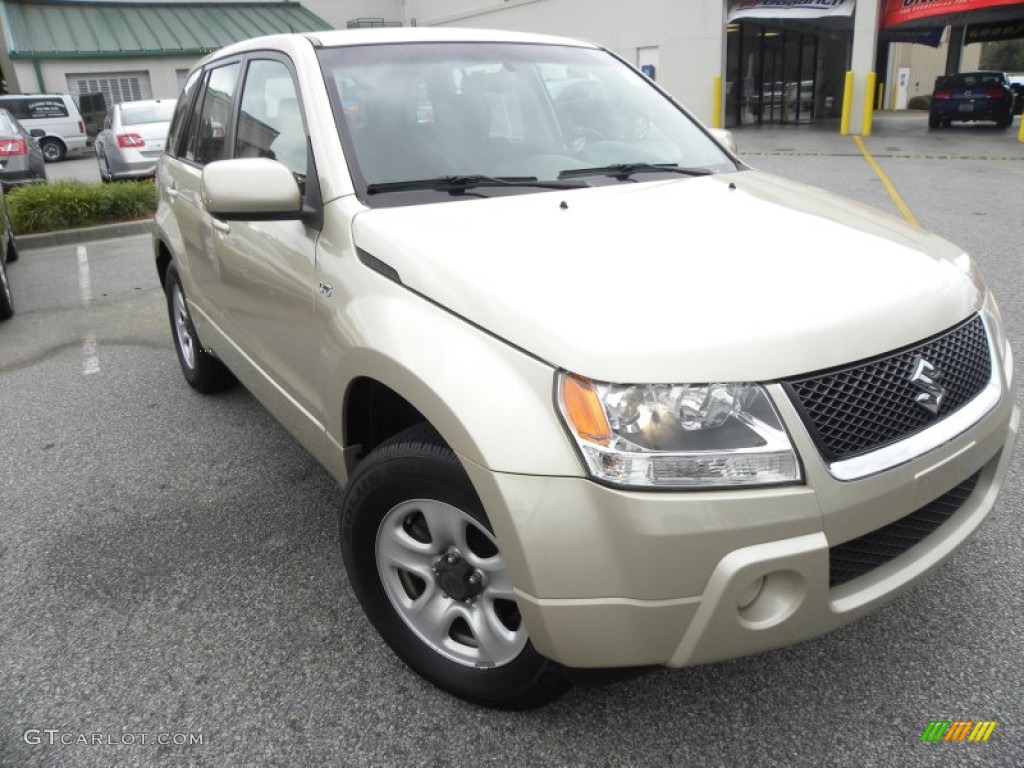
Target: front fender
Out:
[492,403]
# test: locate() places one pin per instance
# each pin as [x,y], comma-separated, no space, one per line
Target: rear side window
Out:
[181,113]
[46,108]
[35,108]
[207,139]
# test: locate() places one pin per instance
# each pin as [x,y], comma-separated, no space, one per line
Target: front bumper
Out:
[613,578]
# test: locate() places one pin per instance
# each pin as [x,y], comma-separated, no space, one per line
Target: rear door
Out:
[203,140]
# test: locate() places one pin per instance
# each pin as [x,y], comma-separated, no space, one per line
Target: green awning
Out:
[64,29]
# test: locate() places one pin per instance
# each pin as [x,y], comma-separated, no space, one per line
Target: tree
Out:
[1004,55]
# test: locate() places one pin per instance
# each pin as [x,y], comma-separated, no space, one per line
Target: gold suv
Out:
[588,410]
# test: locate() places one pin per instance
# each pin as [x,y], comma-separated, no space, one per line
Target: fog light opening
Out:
[779,596]
[750,593]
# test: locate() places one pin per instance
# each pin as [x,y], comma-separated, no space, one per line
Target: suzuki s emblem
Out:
[926,378]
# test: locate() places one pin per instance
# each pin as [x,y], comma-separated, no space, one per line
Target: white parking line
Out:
[84,281]
[91,363]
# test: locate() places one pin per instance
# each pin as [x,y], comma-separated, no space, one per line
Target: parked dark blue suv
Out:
[972,96]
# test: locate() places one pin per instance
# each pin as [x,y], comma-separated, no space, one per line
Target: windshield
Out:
[500,112]
[147,113]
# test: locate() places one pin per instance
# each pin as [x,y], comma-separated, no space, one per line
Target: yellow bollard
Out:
[844,125]
[716,106]
[1020,134]
[869,94]
[881,97]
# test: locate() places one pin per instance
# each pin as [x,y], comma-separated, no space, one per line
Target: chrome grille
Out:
[863,407]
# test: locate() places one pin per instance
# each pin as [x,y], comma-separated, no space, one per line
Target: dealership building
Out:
[737,62]
[732,62]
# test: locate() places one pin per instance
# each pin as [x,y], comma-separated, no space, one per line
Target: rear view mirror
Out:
[37,133]
[250,189]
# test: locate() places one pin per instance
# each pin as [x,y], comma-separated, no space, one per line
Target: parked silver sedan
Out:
[132,138]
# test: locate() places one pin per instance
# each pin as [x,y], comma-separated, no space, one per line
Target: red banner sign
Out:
[902,11]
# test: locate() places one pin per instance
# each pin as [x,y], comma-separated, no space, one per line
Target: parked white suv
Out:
[587,414]
[57,115]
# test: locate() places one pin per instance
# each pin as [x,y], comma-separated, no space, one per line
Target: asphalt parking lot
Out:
[171,585]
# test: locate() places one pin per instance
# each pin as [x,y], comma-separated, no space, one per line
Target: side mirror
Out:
[725,138]
[251,189]
[37,133]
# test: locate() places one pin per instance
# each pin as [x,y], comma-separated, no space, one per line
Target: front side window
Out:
[208,128]
[515,112]
[270,118]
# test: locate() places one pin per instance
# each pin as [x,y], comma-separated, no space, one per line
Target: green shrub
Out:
[920,102]
[68,204]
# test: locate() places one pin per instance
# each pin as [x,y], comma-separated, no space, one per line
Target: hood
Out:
[731,277]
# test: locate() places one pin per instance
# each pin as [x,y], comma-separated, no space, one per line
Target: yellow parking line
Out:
[904,209]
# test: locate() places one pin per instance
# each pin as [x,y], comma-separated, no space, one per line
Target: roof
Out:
[386,35]
[63,29]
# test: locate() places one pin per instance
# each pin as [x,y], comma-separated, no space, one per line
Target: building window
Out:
[116,87]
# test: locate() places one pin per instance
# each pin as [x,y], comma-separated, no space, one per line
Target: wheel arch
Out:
[163,259]
[384,400]
[373,412]
[493,408]
[55,139]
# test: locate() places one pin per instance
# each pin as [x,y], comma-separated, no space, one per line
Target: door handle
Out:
[221,226]
[172,190]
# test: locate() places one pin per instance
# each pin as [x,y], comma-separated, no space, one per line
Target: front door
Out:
[267,268]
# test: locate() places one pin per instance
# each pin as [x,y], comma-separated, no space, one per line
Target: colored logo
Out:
[958,730]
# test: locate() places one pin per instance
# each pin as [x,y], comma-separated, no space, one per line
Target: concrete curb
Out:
[85,234]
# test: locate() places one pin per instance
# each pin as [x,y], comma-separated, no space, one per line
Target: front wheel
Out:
[6,301]
[424,563]
[12,245]
[53,150]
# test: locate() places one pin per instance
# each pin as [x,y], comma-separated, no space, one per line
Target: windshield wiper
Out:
[458,184]
[623,171]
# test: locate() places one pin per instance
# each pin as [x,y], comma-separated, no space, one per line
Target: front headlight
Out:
[677,435]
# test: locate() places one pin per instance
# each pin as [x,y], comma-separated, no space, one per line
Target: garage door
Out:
[115,86]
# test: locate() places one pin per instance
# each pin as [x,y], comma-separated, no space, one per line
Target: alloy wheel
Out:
[183,328]
[443,574]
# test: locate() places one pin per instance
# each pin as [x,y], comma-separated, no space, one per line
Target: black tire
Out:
[1005,122]
[412,469]
[204,372]
[6,300]
[104,166]
[933,122]
[53,150]
[12,244]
